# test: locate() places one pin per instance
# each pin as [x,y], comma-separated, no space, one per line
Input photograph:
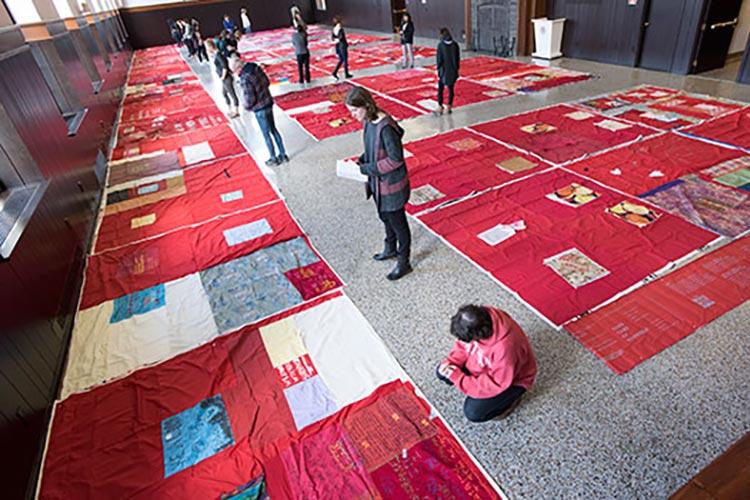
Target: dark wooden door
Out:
[661,32]
[398,7]
[716,35]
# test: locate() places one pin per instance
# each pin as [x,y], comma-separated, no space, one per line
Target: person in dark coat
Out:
[175,31]
[388,180]
[342,47]
[228,24]
[221,65]
[407,40]
[257,98]
[299,42]
[448,63]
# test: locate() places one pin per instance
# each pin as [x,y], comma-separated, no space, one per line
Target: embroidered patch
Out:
[196,153]
[232,196]
[195,434]
[573,195]
[638,215]
[516,164]
[137,303]
[424,194]
[465,144]
[538,128]
[575,267]
[612,125]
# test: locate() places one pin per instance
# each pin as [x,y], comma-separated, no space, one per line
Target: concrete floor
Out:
[583,432]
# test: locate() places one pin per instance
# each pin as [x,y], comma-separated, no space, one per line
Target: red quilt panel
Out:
[525,261]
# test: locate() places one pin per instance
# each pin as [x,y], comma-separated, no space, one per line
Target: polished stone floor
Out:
[583,432]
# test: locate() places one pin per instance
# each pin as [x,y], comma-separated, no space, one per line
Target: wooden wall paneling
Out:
[85,56]
[528,10]
[79,79]
[41,280]
[96,45]
[56,74]
[372,15]
[689,33]
[606,31]
[147,26]
[94,49]
[432,15]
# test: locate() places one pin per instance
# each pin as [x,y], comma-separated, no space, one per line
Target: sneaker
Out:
[335,76]
[272,162]
[283,159]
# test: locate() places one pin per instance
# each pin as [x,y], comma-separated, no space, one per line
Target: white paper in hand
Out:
[348,169]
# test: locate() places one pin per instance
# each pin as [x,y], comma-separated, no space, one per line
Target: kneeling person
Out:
[491,362]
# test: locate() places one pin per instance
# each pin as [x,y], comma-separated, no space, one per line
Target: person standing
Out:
[342,47]
[491,362]
[245,21]
[200,49]
[221,65]
[448,63]
[188,37]
[299,42]
[257,98]
[407,40]
[387,178]
[228,24]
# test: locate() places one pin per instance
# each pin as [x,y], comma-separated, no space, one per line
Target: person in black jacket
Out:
[299,42]
[221,65]
[388,180]
[342,47]
[407,40]
[448,62]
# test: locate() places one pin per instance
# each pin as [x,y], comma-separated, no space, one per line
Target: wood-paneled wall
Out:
[364,14]
[39,284]
[606,31]
[147,26]
[432,15]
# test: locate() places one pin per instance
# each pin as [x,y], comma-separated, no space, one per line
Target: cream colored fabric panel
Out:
[103,350]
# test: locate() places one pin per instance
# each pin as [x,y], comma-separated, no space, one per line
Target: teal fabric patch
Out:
[127,306]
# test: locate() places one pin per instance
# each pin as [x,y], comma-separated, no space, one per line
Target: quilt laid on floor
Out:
[563,133]
[563,244]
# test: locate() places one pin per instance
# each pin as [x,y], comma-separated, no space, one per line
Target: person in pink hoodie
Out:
[491,362]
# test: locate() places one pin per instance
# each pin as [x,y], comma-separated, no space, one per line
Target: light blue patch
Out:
[310,401]
[127,306]
[195,434]
[252,287]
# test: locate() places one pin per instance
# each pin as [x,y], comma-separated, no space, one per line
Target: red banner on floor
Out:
[732,129]
[647,321]
[188,250]
[563,133]
[455,164]
[190,197]
[645,165]
[564,244]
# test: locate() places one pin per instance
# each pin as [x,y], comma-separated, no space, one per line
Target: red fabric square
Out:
[732,129]
[313,280]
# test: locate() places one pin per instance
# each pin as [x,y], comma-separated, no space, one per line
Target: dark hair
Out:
[337,19]
[445,33]
[408,16]
[210,44]
[301,28]
[361,98]
[471,323]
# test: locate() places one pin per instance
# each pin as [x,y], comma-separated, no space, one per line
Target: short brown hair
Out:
[210,44]
[361,98]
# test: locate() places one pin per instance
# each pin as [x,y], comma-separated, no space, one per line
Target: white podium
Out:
[548,37]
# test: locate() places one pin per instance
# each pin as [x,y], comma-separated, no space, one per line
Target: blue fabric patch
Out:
[252,287]
[309,401]
[195,434]
[254,490]
[127,306]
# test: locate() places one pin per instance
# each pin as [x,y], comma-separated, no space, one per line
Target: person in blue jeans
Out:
[257,98]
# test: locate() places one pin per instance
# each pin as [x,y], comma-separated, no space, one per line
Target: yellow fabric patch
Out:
[283,342]
[146,220]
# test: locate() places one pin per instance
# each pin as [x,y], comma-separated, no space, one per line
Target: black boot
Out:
[385,255]
[402,269]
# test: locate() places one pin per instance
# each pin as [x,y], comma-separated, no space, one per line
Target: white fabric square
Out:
[101,350]
[197,153]
[347,353]
[247,232]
